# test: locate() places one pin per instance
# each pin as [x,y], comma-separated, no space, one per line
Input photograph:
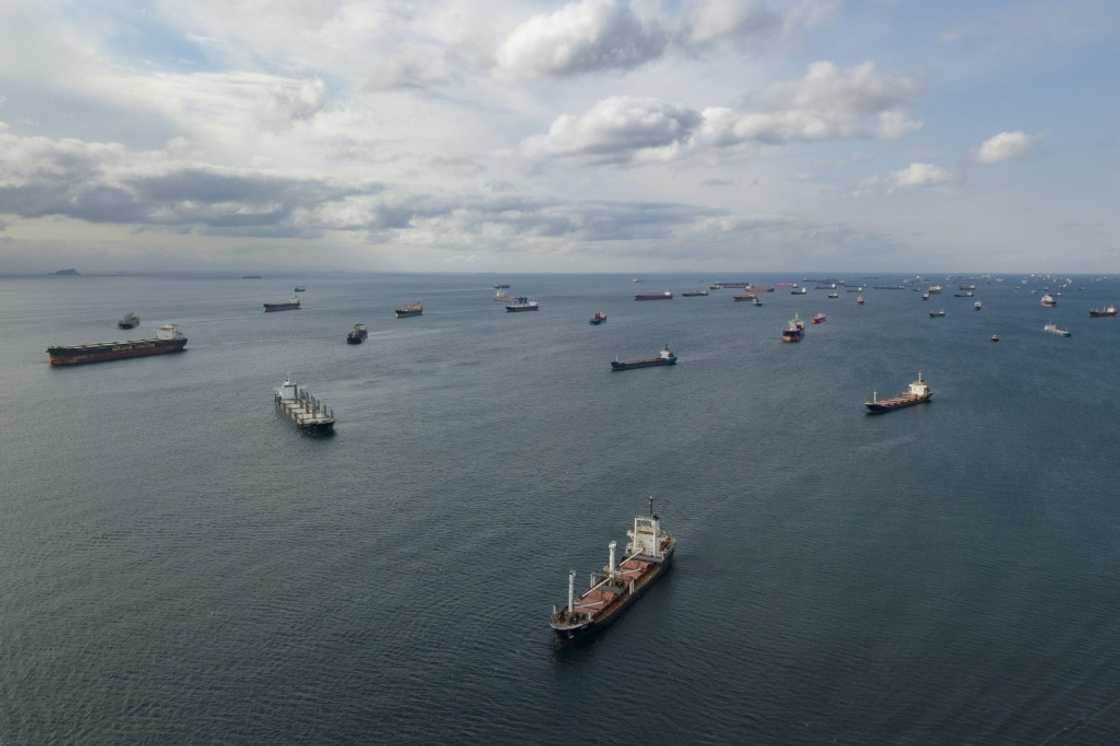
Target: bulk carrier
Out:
[917,393]
[648,555]
[167,340]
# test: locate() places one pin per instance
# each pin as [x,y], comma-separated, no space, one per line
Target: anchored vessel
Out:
[501,296]
[1055,329]
[291,305]
[694,293]
[1047,301]
[648,555]
[1100,313]
[859,299]
[977,306]
[937,314]
[917,393]
[309,414]
[934,289]
[522,304]
[598,318]
[794,328]
[799,291]
[665,357]
[167,340]
[130,321]
[357,335]
[666,295]
[965,294]
[819,318]
[299,289]
[405,310]
[746,295]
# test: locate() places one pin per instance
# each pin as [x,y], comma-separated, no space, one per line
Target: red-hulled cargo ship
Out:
[648,555]
[167,340]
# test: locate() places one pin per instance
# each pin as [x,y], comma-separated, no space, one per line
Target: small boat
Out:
[665,357]
[977,306]
[756,301]
[1053,328]
[130,321]
[694,293]
[292,305]
[917,393]
[635,280]
[925,296]
[714,286]
[819,318]
[598,318]
[1047,301]
[357,335]
[937,314]
[995,337]
[299,289]
[1108,311]
[834,296]
[522,304]
[799,291]
[859,299]
[406,310]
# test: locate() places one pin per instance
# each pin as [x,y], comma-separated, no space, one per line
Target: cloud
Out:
[595,35]
[580,37]
[1003,146]
[298,102]
[827,103]
[104,183]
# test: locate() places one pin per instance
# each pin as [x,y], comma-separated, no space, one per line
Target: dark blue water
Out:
[178,564]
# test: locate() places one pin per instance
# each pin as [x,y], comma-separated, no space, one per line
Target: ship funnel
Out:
[571,591]
[610,564]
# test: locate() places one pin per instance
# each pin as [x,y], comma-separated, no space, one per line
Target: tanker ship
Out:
[648,555]
[665,357]
[666,295]
[167,340]
[292,305]
[917,393]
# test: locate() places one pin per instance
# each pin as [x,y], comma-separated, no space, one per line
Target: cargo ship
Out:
[130,321]
[501,296]
[937,314]
[995,337]
[666,295]
[310,415]
[598,318]
[665,357]
[1102,313]
[965,294]
[799,291]
[1053,328]
[648,556]
[357,335]
[834,295]
[299,289]
[405,310]
[522,304]
[917,393]
[744,296]
[694,293]
[1047,301]
[291,305]
[934,289]
[167,340]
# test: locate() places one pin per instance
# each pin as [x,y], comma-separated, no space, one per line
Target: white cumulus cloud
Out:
[1004,146]
[920,175]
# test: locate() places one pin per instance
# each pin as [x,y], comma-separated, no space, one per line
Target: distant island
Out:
[70,272]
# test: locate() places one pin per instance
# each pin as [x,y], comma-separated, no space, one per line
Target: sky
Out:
[586,136]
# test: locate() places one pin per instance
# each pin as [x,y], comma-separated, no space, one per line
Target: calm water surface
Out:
[178,564]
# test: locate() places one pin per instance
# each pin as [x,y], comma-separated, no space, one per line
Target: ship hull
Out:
[64,356]
[653,297]
[590,629]
[596,322]
[352,340]
[273,307]
[890,406]
[1102,314]
[621,365]
[521,309]
[408,314]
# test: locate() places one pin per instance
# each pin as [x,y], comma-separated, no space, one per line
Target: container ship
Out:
[309,414]
[357,335]
[917,393]
[666,295]
[665,357]
[522,304]
[291,305]
[167,340]
[598,318]
[130,321]
[648,556]
[405,310]
[1102,313]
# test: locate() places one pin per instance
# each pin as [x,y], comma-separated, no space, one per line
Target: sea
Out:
[178,564]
